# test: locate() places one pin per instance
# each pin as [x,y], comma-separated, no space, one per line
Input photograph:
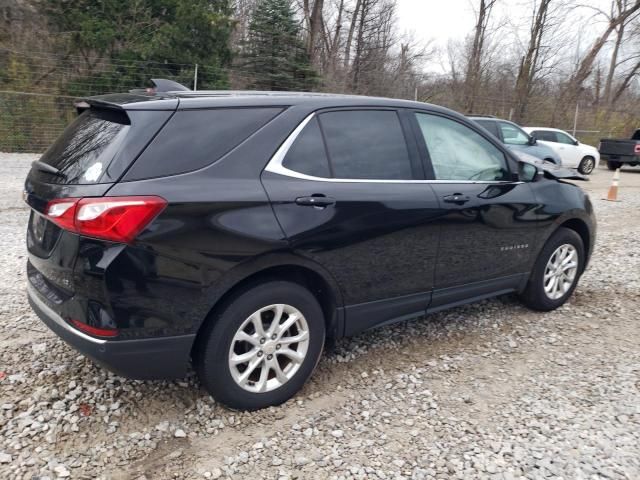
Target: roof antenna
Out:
[161,85]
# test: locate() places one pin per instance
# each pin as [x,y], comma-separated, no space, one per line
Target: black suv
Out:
[238,230]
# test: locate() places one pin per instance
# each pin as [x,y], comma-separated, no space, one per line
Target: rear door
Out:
[348,189]
[488,226]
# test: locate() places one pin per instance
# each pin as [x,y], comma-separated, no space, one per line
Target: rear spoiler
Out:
[143,96]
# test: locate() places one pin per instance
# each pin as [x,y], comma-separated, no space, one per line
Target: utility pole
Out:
[575,118]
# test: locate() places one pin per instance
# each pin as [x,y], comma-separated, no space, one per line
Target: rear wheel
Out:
[556,271]
[587,165]
[262,346]
[613,165]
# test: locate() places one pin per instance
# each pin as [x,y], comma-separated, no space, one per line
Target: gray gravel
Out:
[489,391]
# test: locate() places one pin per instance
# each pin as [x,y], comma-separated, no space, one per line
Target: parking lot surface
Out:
[490,390]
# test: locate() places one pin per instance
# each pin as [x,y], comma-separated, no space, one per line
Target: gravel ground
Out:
[490,390]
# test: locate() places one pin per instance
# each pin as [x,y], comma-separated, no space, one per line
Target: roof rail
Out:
[480,116]
[161,85]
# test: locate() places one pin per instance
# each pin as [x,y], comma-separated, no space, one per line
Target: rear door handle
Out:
[319,201]
[456,198]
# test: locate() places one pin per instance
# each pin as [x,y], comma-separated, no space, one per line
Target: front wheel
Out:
[587,165]
[556,272]
[261,346]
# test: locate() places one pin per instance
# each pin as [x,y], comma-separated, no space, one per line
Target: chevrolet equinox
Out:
[236,231]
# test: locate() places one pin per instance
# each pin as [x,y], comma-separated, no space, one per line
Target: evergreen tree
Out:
[274,55]
[158,37]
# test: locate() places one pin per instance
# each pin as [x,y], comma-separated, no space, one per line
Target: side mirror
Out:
[527,172]
[532,141]
[576,143]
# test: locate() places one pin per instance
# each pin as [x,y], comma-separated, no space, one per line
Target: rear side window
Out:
[193,139]
[490,125]
[544,135]
[308,155]
[366,144]
[87,146]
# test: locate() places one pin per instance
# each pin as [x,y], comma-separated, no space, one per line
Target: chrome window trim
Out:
[275,166]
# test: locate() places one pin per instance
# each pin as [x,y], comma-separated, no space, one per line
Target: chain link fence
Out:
[38,91]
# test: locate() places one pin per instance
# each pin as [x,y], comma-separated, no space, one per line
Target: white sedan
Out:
[574,154]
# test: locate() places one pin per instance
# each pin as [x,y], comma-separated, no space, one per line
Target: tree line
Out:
[533,68]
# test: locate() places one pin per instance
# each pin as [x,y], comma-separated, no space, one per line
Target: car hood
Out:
[551,170]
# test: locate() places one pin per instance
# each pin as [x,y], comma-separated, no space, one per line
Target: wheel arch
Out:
[581,228]
[290,268]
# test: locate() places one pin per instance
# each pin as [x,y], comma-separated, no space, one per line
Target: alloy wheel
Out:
[269,348]
[560,272]
[588,166]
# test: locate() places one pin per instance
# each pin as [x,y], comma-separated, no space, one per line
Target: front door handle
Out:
[319,201]
[456,198]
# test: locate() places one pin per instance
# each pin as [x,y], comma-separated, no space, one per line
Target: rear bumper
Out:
[143,359]
[634,159]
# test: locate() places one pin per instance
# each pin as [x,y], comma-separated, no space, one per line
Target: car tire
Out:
[542,292]
[587,165]
[613,165]
[222,344]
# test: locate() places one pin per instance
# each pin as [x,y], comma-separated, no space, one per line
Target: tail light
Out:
[118,219]
[95,331]
[637,149]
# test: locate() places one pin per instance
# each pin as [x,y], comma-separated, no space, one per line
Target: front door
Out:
[569,151]
[488,219]
[346,196]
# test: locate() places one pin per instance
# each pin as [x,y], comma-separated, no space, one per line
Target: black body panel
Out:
[375,251]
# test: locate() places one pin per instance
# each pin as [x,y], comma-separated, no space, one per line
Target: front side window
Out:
[459,153]
[366,144]
[564,138]
[513,135]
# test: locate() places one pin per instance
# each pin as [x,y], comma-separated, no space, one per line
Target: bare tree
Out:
[473,72]
[313,18]
[614,20]
[530,62]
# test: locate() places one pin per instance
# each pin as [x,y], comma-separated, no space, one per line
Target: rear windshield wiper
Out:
[45,167]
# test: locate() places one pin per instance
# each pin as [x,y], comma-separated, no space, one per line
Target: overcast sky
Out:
[436,19]
[444,20]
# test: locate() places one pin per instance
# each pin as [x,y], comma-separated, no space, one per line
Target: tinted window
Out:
[544,135]
[366,144]
[193,139]
[307,155]
[564,138]
[459,153]
[513,135]
[490,125]
[87,146]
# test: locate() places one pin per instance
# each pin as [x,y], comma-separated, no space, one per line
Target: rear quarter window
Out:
[194,139]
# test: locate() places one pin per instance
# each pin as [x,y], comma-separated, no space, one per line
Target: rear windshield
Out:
[87,147]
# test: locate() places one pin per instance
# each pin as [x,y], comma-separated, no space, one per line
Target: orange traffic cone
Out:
[612,196]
